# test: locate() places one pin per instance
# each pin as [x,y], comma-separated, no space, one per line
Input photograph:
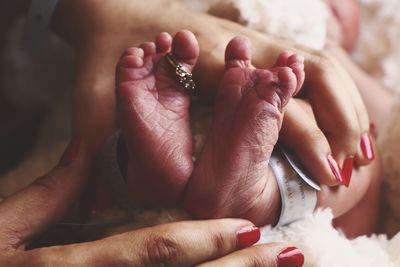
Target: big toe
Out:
[238,53]
[185,48]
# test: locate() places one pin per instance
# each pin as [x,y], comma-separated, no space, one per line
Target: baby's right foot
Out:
[154,113]
[231,177]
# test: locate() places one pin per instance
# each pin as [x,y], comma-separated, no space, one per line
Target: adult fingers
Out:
[364,153]
[176,244]
[300,134]
[268,255]
[28,212]
[333,106]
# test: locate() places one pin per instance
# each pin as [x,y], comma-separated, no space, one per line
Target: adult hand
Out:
[328,143]
[29,212]
[339,199]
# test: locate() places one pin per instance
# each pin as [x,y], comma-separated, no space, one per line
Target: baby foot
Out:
[154,115]
[231,177]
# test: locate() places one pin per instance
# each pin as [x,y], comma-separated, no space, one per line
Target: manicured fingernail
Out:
[335,169]
[347,170]
[248,236]
[366,147]
[71,152]
[290,257]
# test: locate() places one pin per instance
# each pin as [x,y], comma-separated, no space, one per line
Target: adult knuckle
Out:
[310,137]
[219,243]
[321,62]
[314,135]
[259,257]
[352,134]
[161,250]
[46,186]
[325,59]
[347,137]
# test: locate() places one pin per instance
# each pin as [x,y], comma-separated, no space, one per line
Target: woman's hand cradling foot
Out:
[336,137]
[26,214]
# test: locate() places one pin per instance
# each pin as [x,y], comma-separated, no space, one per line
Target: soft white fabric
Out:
[303,22]
[378,47]
[199,5]
[324,246]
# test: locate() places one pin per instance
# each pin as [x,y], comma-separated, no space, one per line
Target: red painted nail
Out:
[366,147]
[71,152]
[248,236]
[336,170]
[291,257]
[347,170]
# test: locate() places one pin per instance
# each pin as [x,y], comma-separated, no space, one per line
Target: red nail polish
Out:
[347,170]
[71,152]
[291,257]
[335,169]
[248,236]
[366,147]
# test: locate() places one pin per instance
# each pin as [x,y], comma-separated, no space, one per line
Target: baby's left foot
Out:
[231,177]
